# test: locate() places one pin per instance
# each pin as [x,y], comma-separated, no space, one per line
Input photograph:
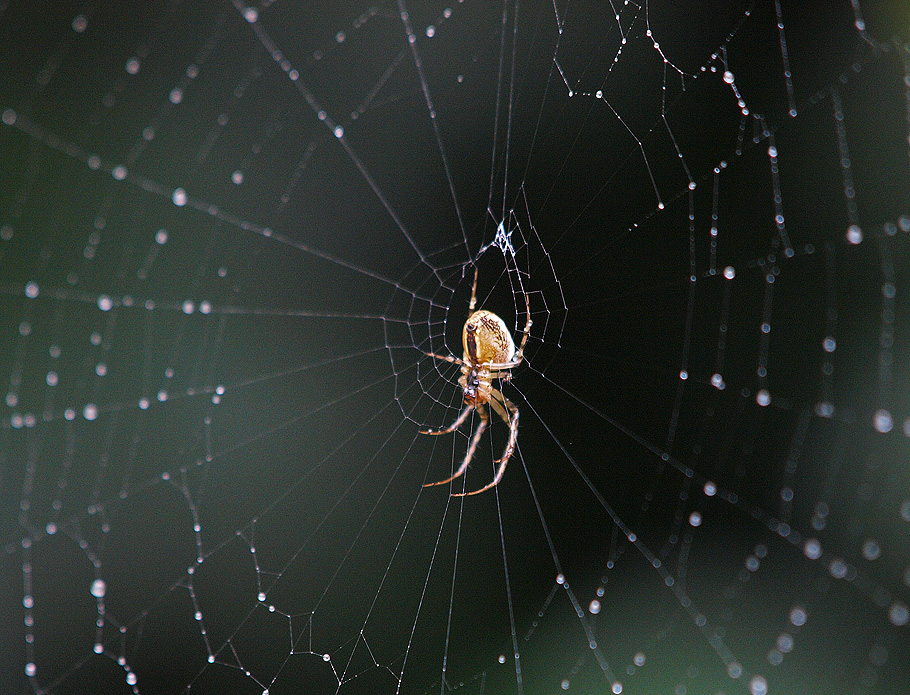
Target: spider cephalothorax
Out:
[489,352]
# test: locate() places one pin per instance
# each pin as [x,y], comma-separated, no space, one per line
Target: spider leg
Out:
[475,440]
[500,404]
[454,426]
[444,358]
[473,293]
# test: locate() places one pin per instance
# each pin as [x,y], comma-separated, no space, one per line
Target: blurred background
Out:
[230,234]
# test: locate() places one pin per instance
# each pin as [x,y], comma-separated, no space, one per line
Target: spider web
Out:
[230,235]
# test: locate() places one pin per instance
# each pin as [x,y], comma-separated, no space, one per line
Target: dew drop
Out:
[785,642]
[838,568]
[871,549]
[99,588]
[812,549]
[882,421]
[898,614]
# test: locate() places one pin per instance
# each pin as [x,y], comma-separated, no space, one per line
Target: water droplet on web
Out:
[785,642]
[898,614]
[99,588]
[871,549]
[758,685]
[838,568]
[883,421]
[812,549]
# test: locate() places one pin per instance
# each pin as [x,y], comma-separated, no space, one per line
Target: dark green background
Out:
[317,332]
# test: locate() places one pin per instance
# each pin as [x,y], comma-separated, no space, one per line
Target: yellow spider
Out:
[489,352]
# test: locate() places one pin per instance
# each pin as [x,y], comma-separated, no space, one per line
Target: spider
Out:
[489,352]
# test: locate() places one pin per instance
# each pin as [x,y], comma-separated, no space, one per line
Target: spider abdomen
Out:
[492,342]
